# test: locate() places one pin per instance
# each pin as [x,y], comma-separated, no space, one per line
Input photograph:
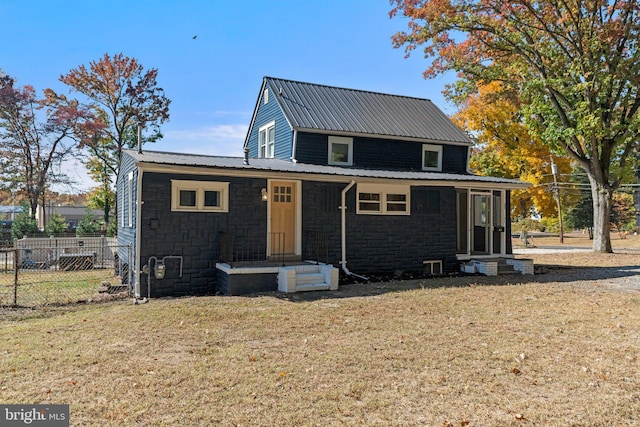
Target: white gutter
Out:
[343,224]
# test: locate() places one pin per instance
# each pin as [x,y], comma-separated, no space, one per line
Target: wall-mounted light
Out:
[265,195]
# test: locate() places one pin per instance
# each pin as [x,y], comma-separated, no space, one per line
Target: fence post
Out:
[15,276]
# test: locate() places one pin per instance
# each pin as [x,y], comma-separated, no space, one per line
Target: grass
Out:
[42,287]
[462,351]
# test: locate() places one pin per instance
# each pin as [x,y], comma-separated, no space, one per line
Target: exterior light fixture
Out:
[265,195]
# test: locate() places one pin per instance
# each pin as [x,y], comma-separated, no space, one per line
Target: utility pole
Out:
[556,190]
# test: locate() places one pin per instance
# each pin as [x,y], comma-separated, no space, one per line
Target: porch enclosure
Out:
[482,225]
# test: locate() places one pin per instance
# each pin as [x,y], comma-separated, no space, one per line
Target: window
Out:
[340,151]
[130,199]
[383,199]
[199,196]
[431,157]
[266,140]
[265,98]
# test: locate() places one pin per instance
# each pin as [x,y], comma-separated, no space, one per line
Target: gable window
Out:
[340,151]
[265,98]
[383,199]
[431,157]
[199,196]
[267,140]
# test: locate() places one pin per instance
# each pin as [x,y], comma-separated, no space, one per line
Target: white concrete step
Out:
[309,278]
[312,287]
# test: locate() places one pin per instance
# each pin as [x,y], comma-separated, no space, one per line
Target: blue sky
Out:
[213,81]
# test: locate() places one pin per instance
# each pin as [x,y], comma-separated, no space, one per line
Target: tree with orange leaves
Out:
[575,65]
[505,148]
[124,96]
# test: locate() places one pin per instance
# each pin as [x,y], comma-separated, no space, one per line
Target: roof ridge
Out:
[348,89]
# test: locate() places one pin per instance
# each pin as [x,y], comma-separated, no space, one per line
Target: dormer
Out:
[326,125]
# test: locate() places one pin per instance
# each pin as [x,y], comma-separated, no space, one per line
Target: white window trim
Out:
[437,149]
[130,199]
[265,129]
[199,187]
[384,190]
[265,98]
[340,140]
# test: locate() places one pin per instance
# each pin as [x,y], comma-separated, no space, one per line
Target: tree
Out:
[124,95]
[101,197]
[87,225]
[24,224]
[504,147]
[56,225]
[575,65]
[36,135]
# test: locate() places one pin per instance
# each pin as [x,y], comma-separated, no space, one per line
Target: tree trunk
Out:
[601,214]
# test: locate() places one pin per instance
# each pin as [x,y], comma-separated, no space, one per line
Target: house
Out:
[72,214]
[351,180]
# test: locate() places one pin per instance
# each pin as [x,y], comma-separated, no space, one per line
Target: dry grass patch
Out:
[406,353]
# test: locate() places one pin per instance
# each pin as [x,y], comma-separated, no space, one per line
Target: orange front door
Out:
[283,217]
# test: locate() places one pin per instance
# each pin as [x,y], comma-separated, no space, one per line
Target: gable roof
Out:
[314,107]
[162,160]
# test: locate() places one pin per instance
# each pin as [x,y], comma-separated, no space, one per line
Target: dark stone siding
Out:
[509,248]
[195,235]
[242,284]
[385,243]
[383,154]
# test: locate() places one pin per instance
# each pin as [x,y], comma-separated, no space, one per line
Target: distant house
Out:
[72,214]
[350,180]
[8,213]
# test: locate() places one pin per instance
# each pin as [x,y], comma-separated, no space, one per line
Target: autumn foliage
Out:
[575,66]
[505,148]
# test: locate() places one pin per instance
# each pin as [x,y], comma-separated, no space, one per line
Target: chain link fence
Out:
[43,272]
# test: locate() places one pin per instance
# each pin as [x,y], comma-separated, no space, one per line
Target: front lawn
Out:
[482,353]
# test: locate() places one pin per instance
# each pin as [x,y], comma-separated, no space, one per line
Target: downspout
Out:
[343,224]
[138,230]
[293,149]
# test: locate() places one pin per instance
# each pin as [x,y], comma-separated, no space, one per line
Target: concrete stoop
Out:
[500,266]
[312,277]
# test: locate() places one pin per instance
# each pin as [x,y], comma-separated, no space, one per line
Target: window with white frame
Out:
[130,199]
[383,199]
[431,157]
[267,140]
[199,196]
[340,151]
[265,97]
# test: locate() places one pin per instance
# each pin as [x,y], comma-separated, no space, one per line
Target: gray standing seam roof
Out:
[277,165]
[317,107]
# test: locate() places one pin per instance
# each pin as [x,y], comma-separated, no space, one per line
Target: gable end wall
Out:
[284,135]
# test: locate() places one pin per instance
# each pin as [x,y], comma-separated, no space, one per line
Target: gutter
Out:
[343,225]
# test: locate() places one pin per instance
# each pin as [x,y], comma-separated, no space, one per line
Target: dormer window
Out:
[431,157]
[266,140]
[340,151]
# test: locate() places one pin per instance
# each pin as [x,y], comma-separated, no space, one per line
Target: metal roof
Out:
[283,166]
[310,106]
